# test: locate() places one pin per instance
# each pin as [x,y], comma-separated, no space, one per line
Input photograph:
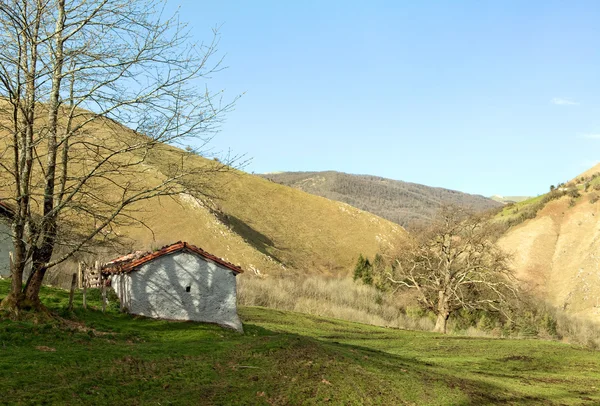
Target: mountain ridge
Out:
[404,203]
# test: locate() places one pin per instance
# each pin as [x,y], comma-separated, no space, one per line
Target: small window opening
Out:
[188,288]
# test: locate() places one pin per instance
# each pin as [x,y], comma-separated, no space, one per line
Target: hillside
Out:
[555,252]
[509,199]
[265,226]
[401,202]
[262,226]
[283,358]
[589,173]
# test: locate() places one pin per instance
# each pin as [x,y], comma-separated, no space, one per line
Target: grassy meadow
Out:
[282,358]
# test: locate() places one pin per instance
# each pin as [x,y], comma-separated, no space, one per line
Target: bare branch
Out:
[453,265]
[71,73]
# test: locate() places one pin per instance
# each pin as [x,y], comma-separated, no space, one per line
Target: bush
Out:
[363,271]
[415,312]
[344,299]
[486,323]
[339,298]
[530,211]
[593,198]
[573,192]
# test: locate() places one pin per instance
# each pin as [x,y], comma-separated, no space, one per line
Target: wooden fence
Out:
[88,277]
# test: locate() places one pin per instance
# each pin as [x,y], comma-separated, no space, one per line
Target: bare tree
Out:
[70,71]
[453,265]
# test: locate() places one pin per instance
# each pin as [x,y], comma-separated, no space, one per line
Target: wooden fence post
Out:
[84,285]
[79,277]
[102,285]
[73,285]
[103,296]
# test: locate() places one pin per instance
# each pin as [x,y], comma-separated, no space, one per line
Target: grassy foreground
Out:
[283,358]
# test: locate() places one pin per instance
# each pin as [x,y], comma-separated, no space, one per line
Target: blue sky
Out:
[484,97]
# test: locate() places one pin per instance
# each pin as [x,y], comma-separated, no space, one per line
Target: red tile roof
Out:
[131,262]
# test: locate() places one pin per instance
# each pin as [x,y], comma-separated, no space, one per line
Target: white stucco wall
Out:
[158,289]
[5,247]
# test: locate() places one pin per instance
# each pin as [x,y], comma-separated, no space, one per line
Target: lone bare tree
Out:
[454,264]
[70,71]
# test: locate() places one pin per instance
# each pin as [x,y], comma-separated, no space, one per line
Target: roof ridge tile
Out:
[130,262]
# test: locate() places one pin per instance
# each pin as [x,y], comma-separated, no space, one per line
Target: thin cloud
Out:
[559,101]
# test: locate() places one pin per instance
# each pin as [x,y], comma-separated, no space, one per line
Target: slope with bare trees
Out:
[404,203]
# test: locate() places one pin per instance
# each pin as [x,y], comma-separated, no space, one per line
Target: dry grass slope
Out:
[339,298]
[255,223]
[555,250]
[265,226]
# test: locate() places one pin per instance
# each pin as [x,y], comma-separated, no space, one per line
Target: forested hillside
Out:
[403,203]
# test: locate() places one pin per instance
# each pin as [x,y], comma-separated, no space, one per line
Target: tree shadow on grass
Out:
[291,367]
[252,236]
[198,358]
[428,379]
[287,354]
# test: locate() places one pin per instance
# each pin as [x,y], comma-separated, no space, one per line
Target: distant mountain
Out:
[509,199]
[403,203]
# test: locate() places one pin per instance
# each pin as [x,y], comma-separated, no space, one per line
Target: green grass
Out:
[514,208]
[595,181]
[515,214]
[283,358]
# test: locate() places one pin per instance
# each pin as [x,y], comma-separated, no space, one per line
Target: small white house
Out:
[178,282]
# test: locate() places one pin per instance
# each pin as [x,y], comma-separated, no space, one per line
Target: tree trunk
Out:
[72,291]
[32,289]
[441,322]
[443,313]
[43,255]
[27,297]
[15,300]
[38,271]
